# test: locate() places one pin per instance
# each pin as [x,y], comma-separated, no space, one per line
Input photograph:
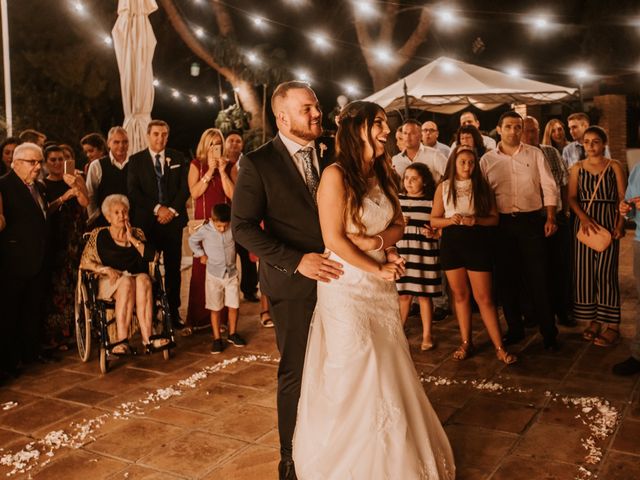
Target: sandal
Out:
[122,349]
[464,351]
[265,319]
[155,345]
[592,331]
[607,338]
[505,357]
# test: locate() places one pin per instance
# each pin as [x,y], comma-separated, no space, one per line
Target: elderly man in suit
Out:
[158,192]
[277,185]
[23,249]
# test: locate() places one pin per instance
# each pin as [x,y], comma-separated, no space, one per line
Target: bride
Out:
[363,414]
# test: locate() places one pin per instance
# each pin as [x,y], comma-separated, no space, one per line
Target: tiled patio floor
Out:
[531,422]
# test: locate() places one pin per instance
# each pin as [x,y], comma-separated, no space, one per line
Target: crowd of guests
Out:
[486,224]
[506,223]
[132,208]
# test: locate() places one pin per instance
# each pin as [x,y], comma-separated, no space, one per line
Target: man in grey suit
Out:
[276,186]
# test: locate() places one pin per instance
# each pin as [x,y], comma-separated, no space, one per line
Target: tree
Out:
[226,57]
[385,73]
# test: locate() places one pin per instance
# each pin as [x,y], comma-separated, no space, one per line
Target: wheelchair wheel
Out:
[104,361]
[83,324]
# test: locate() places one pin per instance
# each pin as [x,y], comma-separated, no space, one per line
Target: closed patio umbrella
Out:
[134,44]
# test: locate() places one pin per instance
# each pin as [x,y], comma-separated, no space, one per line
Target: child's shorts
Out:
[221,292]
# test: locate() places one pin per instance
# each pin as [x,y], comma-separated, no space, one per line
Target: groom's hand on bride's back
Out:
[317,266]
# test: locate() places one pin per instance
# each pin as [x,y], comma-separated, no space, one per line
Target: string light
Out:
[253,58]
[199,31]
[175,93]
[193,99]
[156,82]
[383,55]
[514,71]
[582,73]
[210,100]
[320,41]
[259,22]
[302,74]
[541,23]
[79,8]
[224,96]
[446,16]
[351,89]
[365,8]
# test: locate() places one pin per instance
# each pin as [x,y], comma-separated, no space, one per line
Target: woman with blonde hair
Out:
[555,135]
[211,181]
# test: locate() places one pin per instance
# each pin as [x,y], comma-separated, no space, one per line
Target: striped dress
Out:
[423,274]
[597,291]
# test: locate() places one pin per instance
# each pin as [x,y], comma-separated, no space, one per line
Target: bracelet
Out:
[392,247]
[206,180]
[381,243]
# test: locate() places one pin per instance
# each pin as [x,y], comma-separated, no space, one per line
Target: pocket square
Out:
[174,166]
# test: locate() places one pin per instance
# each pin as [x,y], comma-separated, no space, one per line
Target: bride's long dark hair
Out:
[350,157]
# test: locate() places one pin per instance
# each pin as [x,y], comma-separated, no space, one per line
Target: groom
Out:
[276,185]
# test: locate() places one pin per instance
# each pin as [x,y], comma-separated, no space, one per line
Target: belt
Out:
[522,214]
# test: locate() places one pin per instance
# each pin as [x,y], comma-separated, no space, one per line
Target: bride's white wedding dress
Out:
[363,414]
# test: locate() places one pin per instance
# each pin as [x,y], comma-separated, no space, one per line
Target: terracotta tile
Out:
[134,439]
[11,395]
[256,376]
[255,463]
[126,394]
[569,349]
[471,473]
[525,390]
[628,437]
[444,412]
[157,364]
[522,468]
[178,417]
[561,443]
[451,395]
[495,414]
[135,472]
[600,360]
[51,383]
[215,399]
[474,367]
[554,368]
[9,439]
[100,423]
[265,399]
[79,394]
[245,422]
[37,415]
[79,464]
[620,466]
[119,379]
[478,448]
[192,455]
[271,439]
[600,385]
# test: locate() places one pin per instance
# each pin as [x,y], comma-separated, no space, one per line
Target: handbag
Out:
[600,240]
[194,225]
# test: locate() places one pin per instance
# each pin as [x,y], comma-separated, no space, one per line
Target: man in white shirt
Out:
[574,151]
[112,169]
[469,118]
[416,152]
[518,174]
[430,138]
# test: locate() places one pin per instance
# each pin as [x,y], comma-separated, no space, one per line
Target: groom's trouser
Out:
[291,318]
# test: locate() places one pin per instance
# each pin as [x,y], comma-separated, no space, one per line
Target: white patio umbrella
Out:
[134,44]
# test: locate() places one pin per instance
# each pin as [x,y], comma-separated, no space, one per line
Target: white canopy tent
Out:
[448,86]
[134,44]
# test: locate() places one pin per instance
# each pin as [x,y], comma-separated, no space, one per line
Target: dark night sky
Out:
[598,33]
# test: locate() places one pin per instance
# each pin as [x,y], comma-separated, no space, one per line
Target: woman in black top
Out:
[121,254]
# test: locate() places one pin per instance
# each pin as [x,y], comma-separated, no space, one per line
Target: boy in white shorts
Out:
[214,247]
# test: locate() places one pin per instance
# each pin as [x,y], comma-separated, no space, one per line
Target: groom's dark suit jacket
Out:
[271,190]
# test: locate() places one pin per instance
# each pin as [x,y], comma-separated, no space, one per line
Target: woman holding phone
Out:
[68,198]
[211,181]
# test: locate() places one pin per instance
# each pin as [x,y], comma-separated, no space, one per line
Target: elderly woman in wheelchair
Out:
[121,255]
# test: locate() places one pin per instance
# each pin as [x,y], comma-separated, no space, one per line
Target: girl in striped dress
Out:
[596,287]
[419,248]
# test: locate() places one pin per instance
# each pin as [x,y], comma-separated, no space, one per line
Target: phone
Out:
[217,151]
[70,167]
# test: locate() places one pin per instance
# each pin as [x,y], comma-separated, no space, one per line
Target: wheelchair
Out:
[94,317]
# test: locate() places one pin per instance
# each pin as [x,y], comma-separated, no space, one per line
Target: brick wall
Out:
[614,121]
